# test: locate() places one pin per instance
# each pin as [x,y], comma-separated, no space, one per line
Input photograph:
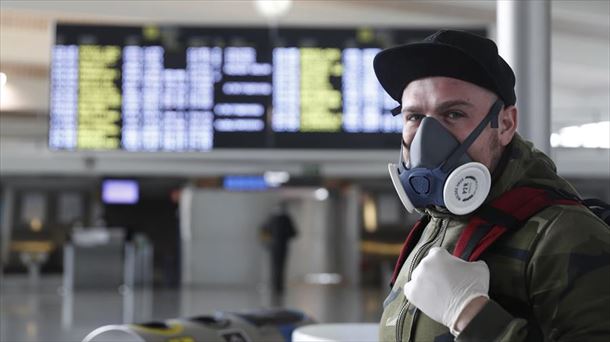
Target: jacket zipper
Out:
[400,320]
[403,310]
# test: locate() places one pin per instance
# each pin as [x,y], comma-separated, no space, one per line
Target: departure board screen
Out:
[156,88]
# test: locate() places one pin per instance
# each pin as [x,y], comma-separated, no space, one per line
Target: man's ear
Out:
[507,124]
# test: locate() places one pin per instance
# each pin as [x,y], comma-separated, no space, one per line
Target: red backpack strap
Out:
[408,245]
[508,212]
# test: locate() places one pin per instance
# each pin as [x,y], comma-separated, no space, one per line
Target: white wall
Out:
[220,239]
[224,247]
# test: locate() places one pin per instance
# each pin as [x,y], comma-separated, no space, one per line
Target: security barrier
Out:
[261,325]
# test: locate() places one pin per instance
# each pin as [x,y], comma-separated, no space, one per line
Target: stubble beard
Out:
[496,150]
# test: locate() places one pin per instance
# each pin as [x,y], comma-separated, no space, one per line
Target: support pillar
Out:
[524,41]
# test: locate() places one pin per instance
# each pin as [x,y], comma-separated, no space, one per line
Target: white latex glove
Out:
[442,285]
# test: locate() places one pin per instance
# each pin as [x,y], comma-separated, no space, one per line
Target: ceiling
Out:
[580,33]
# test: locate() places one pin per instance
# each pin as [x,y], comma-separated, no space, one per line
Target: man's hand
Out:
[443,285]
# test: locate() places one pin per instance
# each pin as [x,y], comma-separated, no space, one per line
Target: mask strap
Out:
[491,116]
[396,110]
[401,162]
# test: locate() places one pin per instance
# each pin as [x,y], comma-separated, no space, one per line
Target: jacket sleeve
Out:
[569,286]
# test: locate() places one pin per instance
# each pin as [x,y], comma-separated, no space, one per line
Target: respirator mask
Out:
[439,172]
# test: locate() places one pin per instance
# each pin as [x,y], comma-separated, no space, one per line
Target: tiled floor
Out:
[43,313]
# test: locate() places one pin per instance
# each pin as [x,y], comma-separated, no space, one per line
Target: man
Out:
[547,280]
[277,232]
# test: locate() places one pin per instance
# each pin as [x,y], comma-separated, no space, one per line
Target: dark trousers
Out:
[278,264]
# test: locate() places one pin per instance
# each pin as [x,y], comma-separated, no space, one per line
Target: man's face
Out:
[459,106]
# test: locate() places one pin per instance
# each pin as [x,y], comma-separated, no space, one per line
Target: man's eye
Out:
[454,115]
[415,117]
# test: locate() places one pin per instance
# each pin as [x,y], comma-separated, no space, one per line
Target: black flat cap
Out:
[448,53]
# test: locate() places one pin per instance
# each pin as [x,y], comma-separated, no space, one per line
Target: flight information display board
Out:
[156,88]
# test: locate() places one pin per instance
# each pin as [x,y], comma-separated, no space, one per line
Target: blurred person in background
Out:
[276,233]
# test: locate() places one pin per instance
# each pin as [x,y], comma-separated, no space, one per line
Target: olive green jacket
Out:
[549,280]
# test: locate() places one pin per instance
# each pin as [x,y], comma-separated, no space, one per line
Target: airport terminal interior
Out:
[145,147]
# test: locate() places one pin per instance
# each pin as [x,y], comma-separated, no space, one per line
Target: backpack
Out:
[507,213]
